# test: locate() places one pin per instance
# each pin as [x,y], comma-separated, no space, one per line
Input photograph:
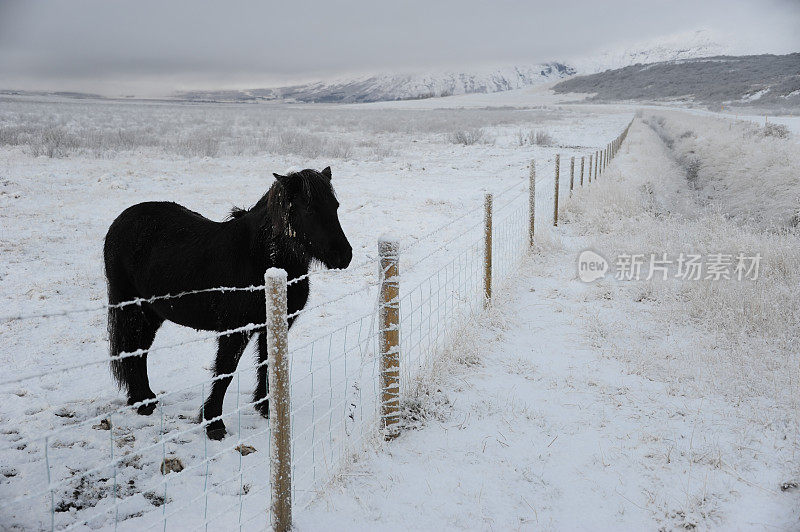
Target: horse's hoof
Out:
[263,409]
[146,410]
[215,432]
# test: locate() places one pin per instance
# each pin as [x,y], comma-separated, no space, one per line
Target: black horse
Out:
[160,248]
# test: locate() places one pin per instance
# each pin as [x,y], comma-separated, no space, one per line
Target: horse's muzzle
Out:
[341,259]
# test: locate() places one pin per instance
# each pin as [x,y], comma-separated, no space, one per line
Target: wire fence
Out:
[105,467]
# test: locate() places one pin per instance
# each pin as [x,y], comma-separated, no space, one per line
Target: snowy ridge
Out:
[406,86]
[688,45]
[376,87]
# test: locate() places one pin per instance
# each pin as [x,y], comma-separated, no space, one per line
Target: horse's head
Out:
[310,216]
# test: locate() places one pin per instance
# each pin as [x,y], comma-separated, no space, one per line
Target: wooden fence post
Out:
[582,161]
[602,161]
[596,163]
[389,337]
[555,192]
[487,251]
[590,168]
[571,174]
[532,201]
[279,400]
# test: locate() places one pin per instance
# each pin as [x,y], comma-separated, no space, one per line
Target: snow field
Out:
[55,212]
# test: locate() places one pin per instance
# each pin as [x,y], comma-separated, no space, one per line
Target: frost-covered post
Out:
[532,201]
[596,161]
[590,167]
[571,174]
[280,464]
[389,341]
[555,192]
[487,251]
[602,161]
[582,161]
[599,163]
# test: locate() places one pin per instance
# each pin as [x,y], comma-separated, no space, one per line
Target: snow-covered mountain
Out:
[688,45]
[433,84]
[407,86]
[769,81]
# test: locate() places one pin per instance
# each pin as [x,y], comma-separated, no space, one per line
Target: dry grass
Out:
[753,327]
[57,128]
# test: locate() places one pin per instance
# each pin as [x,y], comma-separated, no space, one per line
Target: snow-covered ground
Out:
[568,405]
[616,405]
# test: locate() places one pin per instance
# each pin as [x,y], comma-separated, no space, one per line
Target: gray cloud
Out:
[111,45]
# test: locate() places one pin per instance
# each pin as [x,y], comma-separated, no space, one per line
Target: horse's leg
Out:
[260,400]
[229,351]
[132,328]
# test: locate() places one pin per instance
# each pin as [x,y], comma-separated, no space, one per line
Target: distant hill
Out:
[388,87]
[433,84]
[755,80]
[679,46]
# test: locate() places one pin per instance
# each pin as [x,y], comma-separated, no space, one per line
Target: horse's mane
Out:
[313,185]
[237,212]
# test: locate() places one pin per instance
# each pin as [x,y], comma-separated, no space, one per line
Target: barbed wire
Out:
[138,301]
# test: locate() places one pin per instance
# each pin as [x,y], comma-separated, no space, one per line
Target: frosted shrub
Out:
[543,138]
[468,137]
[776,130]
[534,138]
[312,145]
[54,142]
[198,145]
[17,134]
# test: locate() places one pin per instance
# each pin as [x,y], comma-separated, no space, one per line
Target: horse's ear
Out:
[327,172]
[288,183]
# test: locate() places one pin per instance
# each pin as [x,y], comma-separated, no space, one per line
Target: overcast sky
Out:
[158,46]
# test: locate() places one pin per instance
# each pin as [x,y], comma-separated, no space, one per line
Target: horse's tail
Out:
[115,314]
[115,330]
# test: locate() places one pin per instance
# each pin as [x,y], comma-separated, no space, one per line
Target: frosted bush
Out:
[468,137]
[54,142]
[776,130]
[543,138]
[537,138]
